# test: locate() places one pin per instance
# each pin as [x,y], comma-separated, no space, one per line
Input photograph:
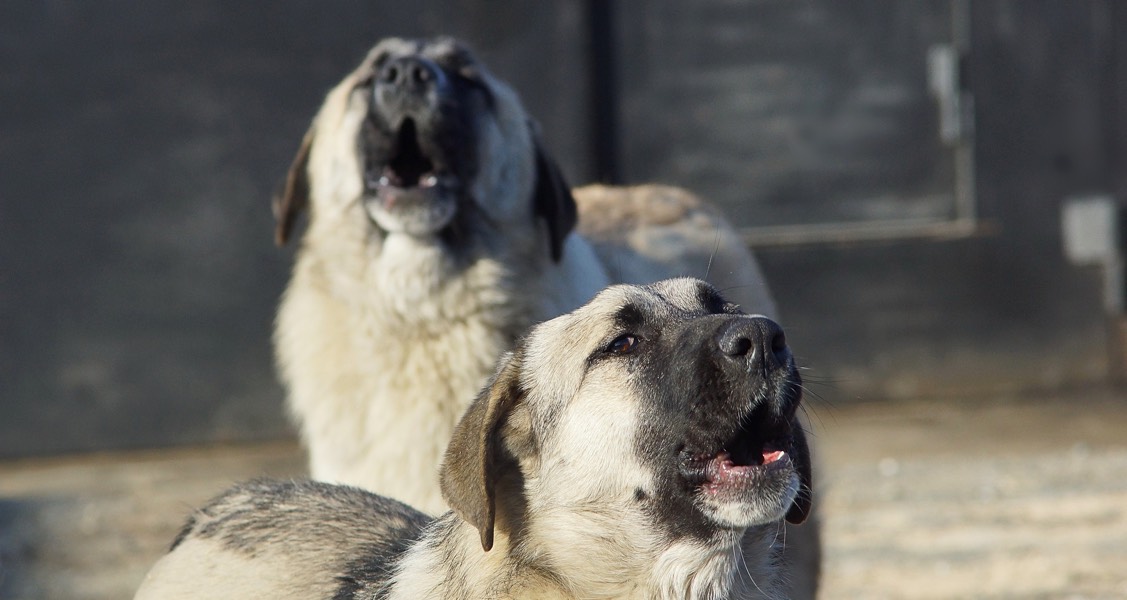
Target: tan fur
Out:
[278,574]
[635,571]
[381,342]
[543,474]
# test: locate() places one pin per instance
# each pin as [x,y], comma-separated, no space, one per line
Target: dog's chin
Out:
[740,496]
[420,211]
[750,479]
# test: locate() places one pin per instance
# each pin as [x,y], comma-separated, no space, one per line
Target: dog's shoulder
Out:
[253,514]
[304,538]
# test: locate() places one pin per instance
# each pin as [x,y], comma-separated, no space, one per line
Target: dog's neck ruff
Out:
[448,562]
[359,307]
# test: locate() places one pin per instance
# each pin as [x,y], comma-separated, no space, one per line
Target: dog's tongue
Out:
[770,456]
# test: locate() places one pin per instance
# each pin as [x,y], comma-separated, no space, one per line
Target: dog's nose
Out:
[758,340]
[411,75]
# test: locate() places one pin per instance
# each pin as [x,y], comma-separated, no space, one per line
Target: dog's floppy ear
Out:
[800,509]
[552,199]
[470,469]
[295,195]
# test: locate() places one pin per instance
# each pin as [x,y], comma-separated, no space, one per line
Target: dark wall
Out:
[819,112]
[140,143]
[788,113]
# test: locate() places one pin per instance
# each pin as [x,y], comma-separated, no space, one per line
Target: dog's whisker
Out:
[750,576]
[781,533]
[814,399]
[712,255]
[732,288]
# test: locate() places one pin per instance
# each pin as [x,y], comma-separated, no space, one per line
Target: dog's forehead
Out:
[621,303]
[671,298]
[690,295]
[443,50]
[557,354]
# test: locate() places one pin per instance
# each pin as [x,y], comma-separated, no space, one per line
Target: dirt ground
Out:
[1022,497]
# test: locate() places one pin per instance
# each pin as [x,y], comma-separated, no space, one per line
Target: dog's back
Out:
[647,233]
[283,540]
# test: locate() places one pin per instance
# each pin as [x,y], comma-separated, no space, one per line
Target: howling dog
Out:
[644,446]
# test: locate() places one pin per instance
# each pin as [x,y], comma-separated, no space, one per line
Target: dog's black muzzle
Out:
[746,407]
[408,86]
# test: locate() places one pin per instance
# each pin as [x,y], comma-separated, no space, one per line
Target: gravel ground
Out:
[1022,497]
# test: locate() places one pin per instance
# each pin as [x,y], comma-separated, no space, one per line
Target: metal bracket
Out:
[1090,231]
[943,80]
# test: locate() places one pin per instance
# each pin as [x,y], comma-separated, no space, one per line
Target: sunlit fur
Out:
[583,533]
[561,453]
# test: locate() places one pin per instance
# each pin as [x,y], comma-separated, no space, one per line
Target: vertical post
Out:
[602,87]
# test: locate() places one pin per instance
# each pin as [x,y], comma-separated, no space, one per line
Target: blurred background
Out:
[932,186]
[900,167]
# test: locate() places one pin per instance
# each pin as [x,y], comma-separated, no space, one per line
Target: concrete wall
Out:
[140,143]
[820,112]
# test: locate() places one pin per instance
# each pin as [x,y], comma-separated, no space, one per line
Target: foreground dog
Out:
[642,446]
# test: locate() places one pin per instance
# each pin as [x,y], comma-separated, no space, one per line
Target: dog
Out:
[439,231]
[645,445]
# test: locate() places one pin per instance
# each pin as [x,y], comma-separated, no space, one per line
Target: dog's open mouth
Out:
[760,446]
[409,167]
[409,190]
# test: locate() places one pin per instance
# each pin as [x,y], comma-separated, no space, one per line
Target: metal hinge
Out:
[944,78]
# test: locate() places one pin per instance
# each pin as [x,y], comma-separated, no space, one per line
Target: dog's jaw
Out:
[739,496]
[411,191]
[420,211]
[751,479]
[745,471]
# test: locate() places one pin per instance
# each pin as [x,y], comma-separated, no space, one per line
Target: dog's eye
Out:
[623,344]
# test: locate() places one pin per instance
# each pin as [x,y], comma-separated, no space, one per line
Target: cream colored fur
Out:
[679,571]
[555,440]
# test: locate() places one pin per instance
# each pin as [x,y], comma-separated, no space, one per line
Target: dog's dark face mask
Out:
[420,140]
[719,427]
